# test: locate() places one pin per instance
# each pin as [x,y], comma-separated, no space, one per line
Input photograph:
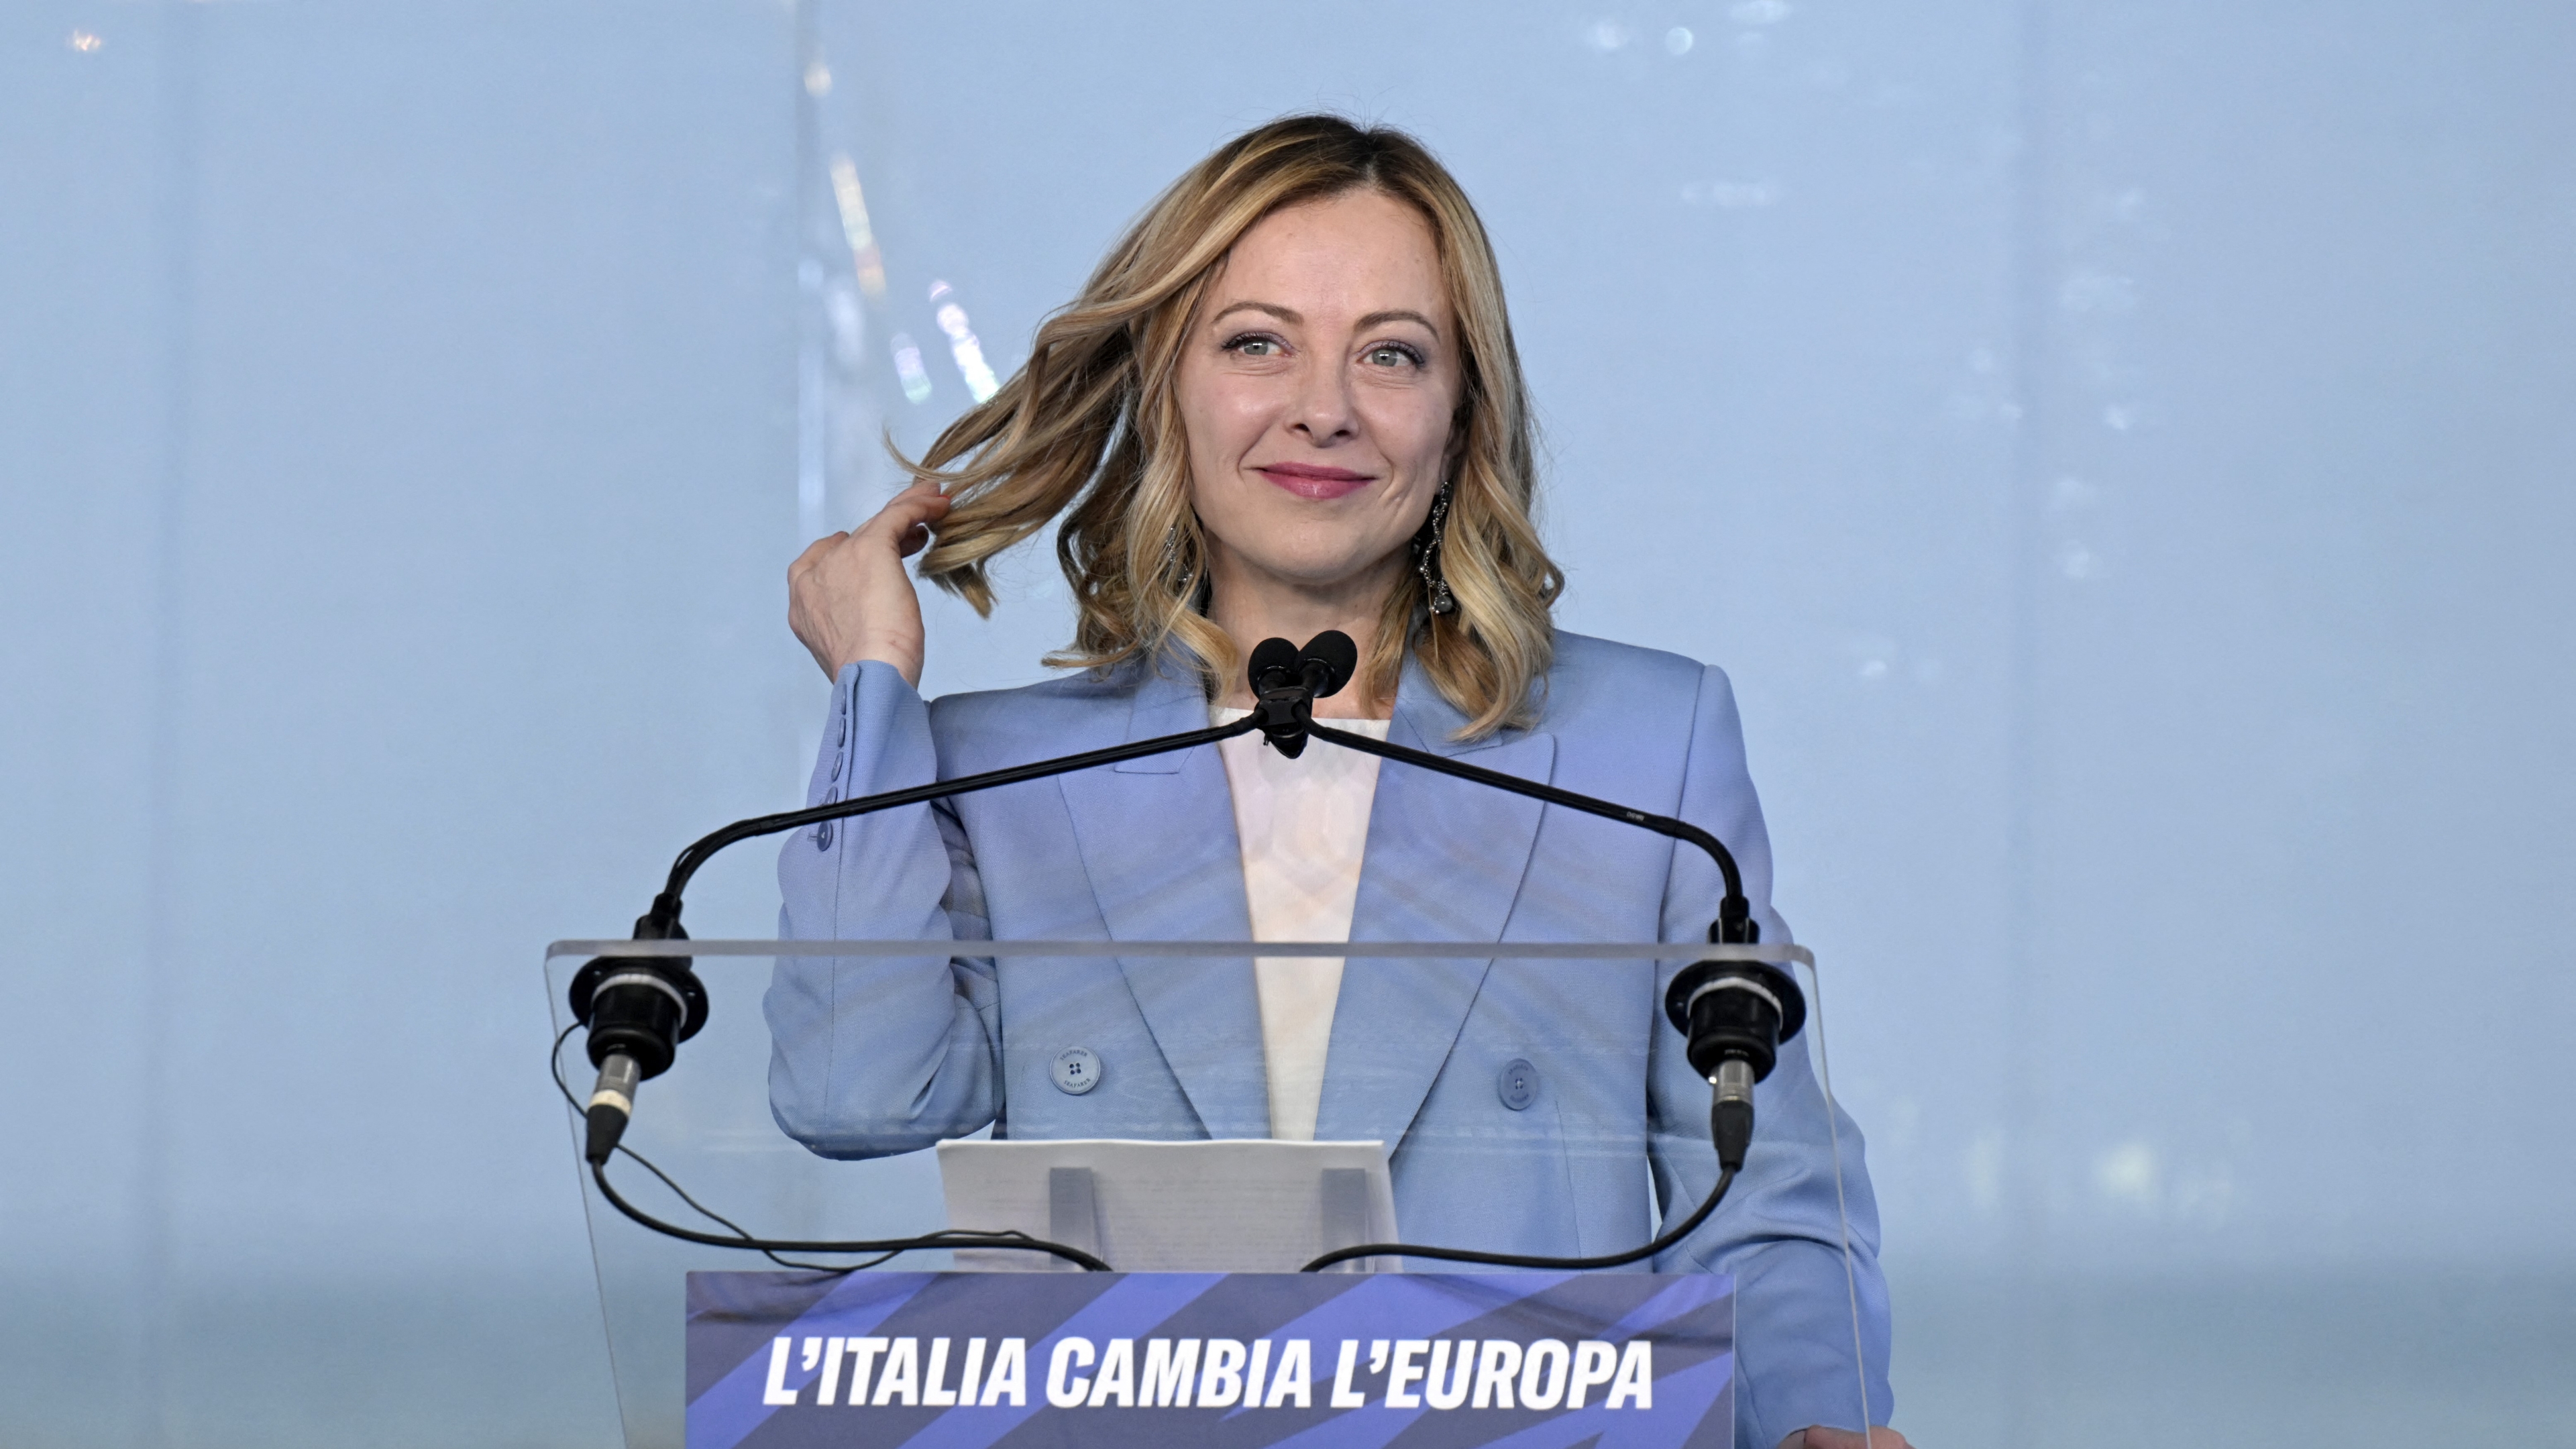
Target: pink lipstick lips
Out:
[1313,480]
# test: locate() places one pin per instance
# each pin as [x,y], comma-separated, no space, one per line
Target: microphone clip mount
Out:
[640,1007]
[1286,681]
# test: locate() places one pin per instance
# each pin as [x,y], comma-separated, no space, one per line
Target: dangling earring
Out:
[1426,553]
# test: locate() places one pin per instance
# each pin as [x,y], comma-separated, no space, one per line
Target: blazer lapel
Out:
[1444,862]
[1158,841]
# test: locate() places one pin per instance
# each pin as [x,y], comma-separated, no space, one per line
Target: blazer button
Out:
[823,832]
[1077,1071]
[1518,1085]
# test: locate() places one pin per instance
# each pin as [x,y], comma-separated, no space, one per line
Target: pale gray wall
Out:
[2121,452]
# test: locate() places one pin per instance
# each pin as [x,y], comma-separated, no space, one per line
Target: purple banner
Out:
[1226,1361]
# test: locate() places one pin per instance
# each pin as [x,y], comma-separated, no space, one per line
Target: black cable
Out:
[738,1230]
[1725,1180]
[556,1063]
[884,1249]
[947,1238]
[969,1238]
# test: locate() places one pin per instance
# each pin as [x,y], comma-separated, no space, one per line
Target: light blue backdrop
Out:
[2121,451]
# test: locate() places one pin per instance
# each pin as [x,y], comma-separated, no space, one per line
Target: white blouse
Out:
[1303,824]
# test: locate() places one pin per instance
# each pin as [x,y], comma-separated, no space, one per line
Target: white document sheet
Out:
[1250,1206]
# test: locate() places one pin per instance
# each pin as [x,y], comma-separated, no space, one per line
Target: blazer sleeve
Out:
[872,1056]
[1780,1231]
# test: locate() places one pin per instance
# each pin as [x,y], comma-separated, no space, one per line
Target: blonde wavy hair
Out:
[1091,428]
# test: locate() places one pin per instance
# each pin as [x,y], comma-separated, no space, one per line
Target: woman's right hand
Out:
[848,596]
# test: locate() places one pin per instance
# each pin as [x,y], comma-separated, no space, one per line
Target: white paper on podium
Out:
[1234,1206]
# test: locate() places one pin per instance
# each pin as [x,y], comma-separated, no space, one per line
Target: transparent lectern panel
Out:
[1519,1074]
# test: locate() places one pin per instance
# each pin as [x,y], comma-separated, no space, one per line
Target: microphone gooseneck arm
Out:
[1284,691]
[1735,924]
[666,906]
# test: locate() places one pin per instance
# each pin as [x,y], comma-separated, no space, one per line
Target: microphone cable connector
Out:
[612,1106]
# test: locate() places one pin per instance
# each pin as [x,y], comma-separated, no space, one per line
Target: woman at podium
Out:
[1288,401]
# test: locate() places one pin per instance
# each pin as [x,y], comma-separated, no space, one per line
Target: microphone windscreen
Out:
[1274,661]
[1340,657]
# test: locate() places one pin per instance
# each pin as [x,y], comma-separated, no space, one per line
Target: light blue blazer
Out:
[883,1056]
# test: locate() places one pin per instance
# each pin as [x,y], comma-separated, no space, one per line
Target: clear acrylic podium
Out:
[707,1123]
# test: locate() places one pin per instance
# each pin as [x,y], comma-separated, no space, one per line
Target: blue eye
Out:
[1390,354]
[1253,344]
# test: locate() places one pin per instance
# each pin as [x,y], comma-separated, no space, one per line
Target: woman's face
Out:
[1318,384]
